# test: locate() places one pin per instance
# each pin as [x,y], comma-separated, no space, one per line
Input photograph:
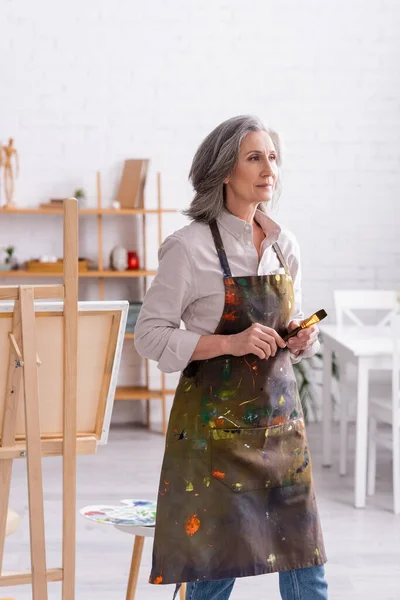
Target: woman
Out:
[236,496]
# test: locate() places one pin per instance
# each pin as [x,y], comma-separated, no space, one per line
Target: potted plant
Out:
[9,261]
[9,251]
[306,383]
[79,194]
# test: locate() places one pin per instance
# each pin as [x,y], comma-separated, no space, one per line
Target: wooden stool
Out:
[140,533]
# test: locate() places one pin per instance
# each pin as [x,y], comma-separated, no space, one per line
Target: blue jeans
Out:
[300,584]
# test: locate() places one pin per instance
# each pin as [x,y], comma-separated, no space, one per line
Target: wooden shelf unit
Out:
[99,274]
[85,211]
[122,392]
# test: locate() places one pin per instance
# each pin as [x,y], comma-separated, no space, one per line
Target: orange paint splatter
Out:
[230,316]
[192,525]
[158,580]
[232,298]
[218,474]
[278,420]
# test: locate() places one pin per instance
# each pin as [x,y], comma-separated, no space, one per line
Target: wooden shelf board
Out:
[109,273]
[86,211]
[100,274]
[139,393]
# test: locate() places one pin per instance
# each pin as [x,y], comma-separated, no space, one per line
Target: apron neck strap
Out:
[281,258]
[222,254]
[226,270]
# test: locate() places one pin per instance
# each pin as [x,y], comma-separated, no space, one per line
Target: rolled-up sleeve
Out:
[158,335]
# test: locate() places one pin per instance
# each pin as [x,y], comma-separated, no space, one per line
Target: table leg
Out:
[135,564]
[361,435]
[344,418]
[327,407]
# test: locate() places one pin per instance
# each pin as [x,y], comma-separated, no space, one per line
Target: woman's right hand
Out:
[257,339]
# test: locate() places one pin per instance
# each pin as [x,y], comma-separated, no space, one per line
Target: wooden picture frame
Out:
[133,180]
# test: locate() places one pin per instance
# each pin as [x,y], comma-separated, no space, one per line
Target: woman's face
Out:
[254,177]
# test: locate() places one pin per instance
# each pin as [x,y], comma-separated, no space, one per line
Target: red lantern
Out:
[133,260]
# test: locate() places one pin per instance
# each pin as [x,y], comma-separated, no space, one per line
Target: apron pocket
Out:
[260,458]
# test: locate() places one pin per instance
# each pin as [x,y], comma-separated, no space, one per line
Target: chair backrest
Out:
[395,327]
[348,302]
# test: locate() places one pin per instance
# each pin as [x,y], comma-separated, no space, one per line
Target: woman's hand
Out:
[257,339]
[303,340]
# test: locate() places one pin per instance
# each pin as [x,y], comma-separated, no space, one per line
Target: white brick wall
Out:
[86,84]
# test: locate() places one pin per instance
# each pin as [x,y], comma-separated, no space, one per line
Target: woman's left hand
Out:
[303,340]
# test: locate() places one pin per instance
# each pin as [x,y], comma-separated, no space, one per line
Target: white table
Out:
[368,348]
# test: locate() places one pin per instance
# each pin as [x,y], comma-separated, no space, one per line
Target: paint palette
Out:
[136,513]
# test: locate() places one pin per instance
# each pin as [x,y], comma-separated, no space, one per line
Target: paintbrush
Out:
[315,318]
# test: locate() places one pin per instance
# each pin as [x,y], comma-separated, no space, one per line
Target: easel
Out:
[22,386]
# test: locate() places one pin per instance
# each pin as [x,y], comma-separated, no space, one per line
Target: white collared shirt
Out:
[189,285]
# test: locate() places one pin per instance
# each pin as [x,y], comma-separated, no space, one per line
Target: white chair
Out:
[348,302]
[384,411]
[380,305]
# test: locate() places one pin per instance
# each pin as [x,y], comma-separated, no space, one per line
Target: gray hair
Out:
[214,161]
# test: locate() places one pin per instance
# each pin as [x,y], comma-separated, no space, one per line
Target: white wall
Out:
[85,85]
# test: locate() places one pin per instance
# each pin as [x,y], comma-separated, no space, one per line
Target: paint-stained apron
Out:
[236,495]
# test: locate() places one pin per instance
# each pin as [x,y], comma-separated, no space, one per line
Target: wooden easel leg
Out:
[34,458]
[135,564]
[182,592]
[11,403]
[70,394]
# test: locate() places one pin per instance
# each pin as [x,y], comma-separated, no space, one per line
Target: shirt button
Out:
[247,227]
[248,242]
